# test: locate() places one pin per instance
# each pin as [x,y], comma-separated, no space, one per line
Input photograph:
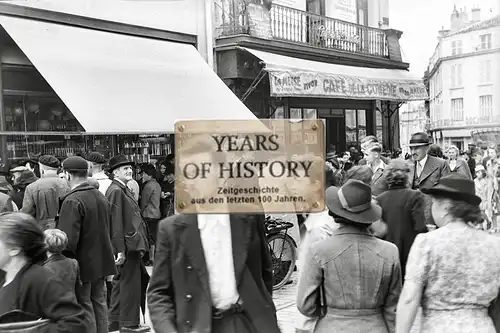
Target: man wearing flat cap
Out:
[41,198]
[130,243]
[85,217]
[96,163]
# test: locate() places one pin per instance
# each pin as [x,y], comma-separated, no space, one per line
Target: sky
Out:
[420,21]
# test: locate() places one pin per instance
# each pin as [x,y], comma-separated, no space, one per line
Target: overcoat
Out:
[85,217]
[179,298]
[127,224]
[403,212]
[40,292]
[362,282]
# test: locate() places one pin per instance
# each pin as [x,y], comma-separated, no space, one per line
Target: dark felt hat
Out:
[457,187]
[353,201]
[75,163]
[419,139]
[26,177]
[50,161]
[95,157]
[118,161]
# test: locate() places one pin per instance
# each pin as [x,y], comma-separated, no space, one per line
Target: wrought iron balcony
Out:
[292,25]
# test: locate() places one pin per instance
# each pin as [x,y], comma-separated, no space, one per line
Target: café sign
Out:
[312,84]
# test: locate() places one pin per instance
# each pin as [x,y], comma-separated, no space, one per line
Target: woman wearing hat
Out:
[452,273]
[359,274]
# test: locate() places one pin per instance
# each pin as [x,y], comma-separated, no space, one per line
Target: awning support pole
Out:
[254,85]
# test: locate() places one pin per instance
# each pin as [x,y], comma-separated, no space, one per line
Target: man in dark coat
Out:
[212,272]
[426,170]
[85,217]
[129,243]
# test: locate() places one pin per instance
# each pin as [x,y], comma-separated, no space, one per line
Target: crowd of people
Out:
[92,226]
[75,239]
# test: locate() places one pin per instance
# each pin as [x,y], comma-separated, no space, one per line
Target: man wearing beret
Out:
[41,198]
[96,162]
[85,217]
[130,243]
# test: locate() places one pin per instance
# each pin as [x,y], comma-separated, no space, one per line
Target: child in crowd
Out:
[482,191]
[66,269]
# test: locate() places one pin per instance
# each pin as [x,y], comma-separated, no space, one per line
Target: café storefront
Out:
[70,85]
[353,101]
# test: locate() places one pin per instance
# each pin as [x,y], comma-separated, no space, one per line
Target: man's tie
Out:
[419,169]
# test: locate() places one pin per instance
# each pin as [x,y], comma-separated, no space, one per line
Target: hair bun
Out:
[37,251]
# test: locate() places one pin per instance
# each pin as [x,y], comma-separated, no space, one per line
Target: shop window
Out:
[350,126]
[379,126]
[295,113]
[310,114]
[38,114]
[144,148]
[361,124]
[137,148]
[279,113]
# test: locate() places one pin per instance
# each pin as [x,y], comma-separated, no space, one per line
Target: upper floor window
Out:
[456,47]
[456,75]
[457,109]
[485,41]
[485,106]
[485,71]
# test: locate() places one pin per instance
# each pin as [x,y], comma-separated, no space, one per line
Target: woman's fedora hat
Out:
[457,187]
[353,201]
[419,139]
[118,161]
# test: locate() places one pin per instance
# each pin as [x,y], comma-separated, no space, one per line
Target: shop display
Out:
[144,148]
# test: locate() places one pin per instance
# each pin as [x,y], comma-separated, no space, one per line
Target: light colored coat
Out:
[362,282]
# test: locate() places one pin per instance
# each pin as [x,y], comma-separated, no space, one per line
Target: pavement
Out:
[284,300]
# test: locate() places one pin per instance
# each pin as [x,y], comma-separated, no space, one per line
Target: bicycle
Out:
[284,256]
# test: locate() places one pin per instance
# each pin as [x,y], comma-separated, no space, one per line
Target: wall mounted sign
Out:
[313,84]
[225,166]
[259,21]
[338,34]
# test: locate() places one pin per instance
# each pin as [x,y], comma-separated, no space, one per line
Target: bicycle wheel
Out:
[283,257]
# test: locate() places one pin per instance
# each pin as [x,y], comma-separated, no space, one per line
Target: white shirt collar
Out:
[204,219]
[379,165]
[423,161]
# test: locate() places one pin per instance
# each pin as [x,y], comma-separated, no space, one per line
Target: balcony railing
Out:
[297,26]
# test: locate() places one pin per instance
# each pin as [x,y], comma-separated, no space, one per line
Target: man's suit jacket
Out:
[434,169]
[179,298]
[128,230]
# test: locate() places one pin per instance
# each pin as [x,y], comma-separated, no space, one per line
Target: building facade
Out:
[464,79]
[412,119]
[109,76]
[337,60]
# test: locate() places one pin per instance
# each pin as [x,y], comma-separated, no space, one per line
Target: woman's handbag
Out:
[18,321]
